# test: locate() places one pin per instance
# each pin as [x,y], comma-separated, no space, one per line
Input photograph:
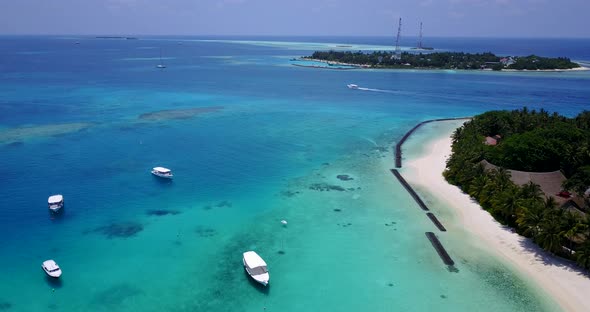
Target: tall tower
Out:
[420,38]
[398,51]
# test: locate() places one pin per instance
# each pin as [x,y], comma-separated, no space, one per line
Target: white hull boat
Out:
[55,203]
[162,172]
[161,65]
[352,86]
[256,267]
[51,268]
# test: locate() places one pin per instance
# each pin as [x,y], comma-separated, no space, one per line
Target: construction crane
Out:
[398,52]
[420,38]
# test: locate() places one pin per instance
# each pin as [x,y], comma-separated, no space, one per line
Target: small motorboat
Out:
[51,268]
[256,267]
[55,202]
[161,64]
[352,86]
[162,172]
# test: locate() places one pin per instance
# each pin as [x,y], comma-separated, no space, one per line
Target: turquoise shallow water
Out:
[74,122]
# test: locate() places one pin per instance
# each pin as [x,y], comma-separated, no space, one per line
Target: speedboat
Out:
[256,267]
[51,268]
[162,172]
[55,202]
[161,65]
[352,86]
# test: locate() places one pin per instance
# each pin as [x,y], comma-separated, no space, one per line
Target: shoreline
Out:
[562,280]
[365,66]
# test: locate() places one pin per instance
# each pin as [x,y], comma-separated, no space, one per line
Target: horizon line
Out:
[289,35]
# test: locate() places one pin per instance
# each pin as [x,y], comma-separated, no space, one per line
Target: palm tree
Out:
[571,228]
[506,203]
[549,203]
[531,190]
[501,178]
[488,193]
[477,186]
[583,255]
[457,134]
[529,217]
[550,233]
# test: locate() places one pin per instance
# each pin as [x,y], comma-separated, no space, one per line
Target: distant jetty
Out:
[398,146]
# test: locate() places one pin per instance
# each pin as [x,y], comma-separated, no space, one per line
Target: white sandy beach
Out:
[581,68]
[561,280]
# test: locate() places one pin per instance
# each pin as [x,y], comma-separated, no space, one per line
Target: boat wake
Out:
[377,90]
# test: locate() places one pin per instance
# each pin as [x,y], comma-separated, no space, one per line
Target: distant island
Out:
[531,171]
[443,60]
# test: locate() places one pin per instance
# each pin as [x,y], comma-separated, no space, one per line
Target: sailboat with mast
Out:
[161,65]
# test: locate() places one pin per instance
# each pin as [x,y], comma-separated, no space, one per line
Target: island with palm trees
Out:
[442,60]
[531,171]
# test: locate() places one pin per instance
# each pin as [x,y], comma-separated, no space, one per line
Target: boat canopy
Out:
[257,270]
[253,260]
[50,265]
[54,199]
[162,169]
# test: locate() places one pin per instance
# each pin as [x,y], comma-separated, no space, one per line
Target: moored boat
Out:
[256,267]
[51,268]
[161,64]
[162,172]
[55,202]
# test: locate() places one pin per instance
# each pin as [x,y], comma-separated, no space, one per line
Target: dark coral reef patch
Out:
[326,187]
[344,177]
[183,113]
[119,230]
[5,305]
[161,212]
[203,231]
[116,295]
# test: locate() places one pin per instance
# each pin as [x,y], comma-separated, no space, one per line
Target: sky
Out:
[441,18]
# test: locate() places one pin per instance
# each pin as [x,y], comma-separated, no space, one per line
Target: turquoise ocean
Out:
[252,140]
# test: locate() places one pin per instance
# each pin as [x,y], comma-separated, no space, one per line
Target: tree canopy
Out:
[529,140]
[443,60]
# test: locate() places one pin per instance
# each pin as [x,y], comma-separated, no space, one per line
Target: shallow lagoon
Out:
[128,241]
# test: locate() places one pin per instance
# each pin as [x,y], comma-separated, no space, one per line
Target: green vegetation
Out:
[443,60]
[533,62]
[530,141]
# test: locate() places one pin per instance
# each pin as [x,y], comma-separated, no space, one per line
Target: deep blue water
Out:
[70,123]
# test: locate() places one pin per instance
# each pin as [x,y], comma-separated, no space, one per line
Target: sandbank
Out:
[581,68]
[559,278]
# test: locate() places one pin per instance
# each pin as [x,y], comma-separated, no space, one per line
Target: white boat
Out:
[352,86]
[256,267]
[55,202]
[51,268]
[162,172]
[161,65]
